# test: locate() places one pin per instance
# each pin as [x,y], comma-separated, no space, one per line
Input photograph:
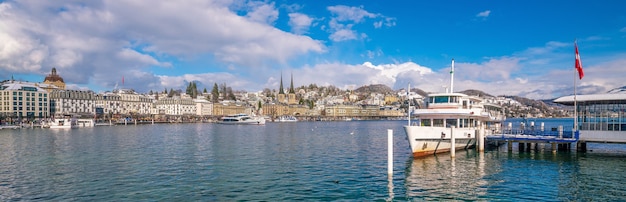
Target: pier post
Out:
[581,146]
[390,152]
[452,143]
[125,121]
[481,139]
[509,145]
[553,147]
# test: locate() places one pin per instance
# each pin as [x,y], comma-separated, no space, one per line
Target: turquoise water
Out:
[318,161]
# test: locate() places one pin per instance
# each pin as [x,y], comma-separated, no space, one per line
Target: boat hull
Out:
[426,141]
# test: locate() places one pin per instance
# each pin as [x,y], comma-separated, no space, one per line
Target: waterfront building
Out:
[176,106]
[23,100]
[600,117]
[63,102]
[277,110]
[134,103]
[109,103]
[53,81]
[203,107]
[351,111]
[229,108]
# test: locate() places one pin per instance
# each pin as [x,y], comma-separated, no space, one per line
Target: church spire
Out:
[291,90]
[280,90]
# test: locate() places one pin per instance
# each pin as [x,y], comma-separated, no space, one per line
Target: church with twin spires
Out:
[289,98]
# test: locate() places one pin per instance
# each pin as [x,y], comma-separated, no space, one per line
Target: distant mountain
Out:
[419,92]
[478,93]
[374,88]
[538,104]
[618,90]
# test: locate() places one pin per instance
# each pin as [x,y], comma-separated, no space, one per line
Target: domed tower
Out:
[54,79]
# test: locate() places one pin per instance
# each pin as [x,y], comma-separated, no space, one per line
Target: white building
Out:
[176,106]
[132,102]
[72,102]
[203,107]
[109,102]
[23,100]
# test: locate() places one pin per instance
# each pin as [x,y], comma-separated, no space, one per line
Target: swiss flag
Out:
[579,64]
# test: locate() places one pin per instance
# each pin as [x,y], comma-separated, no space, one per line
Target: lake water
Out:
[313,161]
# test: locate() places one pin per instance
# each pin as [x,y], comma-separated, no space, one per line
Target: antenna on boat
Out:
[452,77]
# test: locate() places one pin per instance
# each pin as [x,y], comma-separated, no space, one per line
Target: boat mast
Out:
[452,77]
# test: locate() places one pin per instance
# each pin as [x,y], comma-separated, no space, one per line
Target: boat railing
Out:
[550,133]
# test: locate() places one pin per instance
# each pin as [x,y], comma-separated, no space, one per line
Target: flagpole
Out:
[409,101]
[575,87]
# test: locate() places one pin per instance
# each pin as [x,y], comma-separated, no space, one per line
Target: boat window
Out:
[440,99]
[425,122]
[438,122]
[454,99]
[451,122]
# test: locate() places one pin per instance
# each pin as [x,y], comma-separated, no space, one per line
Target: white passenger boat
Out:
[241,119]
[431,133]
[61,123]
[287,119]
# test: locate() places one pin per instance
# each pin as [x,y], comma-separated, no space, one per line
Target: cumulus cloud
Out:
[299,22]
[345,17]
[94,42]
[262,12]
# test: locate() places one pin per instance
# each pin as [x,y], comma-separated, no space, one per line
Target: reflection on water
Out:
[310,161]
[541,176]
[441,177]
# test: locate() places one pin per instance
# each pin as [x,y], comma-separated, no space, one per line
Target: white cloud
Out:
[95,42]
[484,14]
[346,13]
[262,12]
[345,17]
[623,29]
[343,35]
[299,22]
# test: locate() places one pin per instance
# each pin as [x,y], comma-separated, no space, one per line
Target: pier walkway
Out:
[528,139]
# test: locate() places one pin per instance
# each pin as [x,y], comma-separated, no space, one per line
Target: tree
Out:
[259,105]
[192,90]
[171,94]
[215,93]
[204,90]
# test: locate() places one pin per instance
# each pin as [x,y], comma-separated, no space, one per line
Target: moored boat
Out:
[287,119]
[449,111]
[241,119]
[66,122]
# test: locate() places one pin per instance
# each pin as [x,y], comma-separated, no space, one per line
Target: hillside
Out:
[374,88]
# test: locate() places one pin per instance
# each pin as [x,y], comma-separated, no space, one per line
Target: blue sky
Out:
[500,47]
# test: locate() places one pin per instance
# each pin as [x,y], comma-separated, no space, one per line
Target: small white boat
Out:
[86,123]
[241,119]
[287,119]
[62,123]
